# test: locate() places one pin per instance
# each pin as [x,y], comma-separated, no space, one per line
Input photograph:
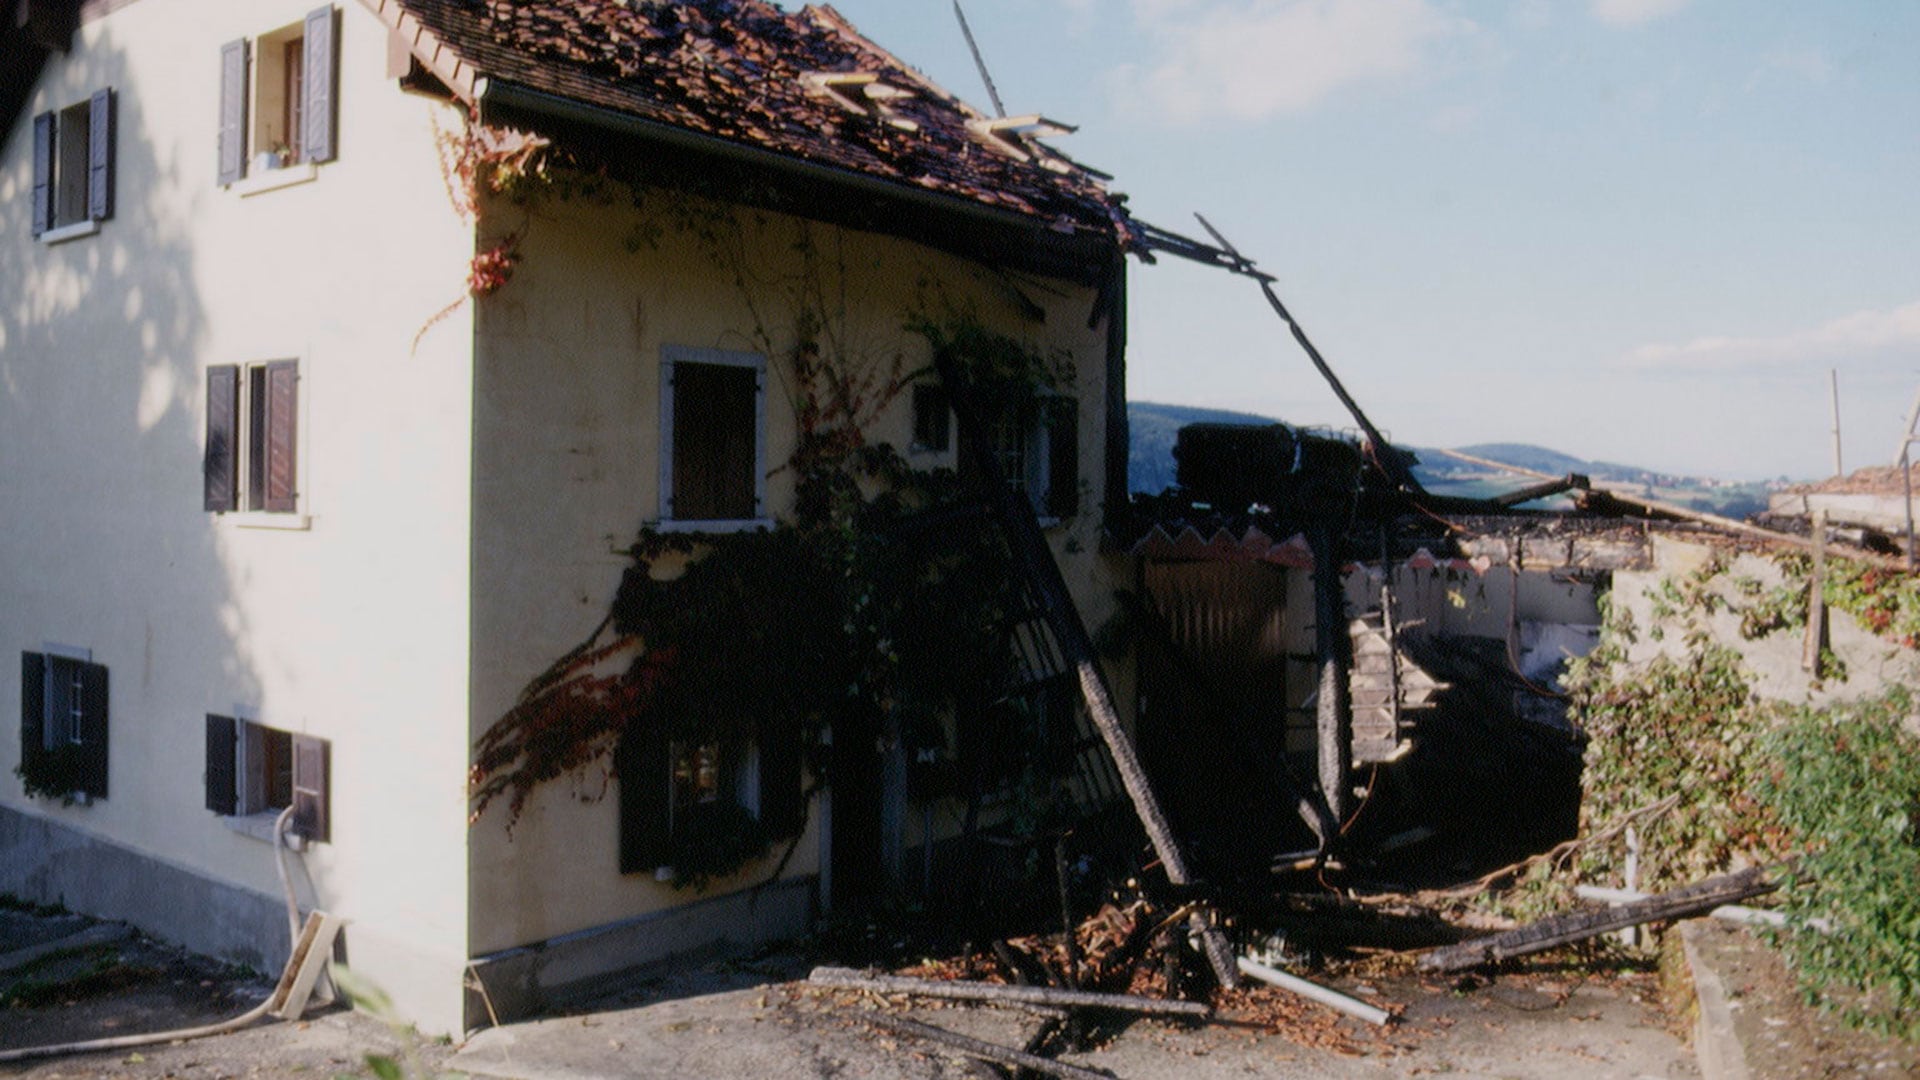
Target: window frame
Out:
[1047,425]
[240,791]
[87,735]
[671,357]
[257,96]
[253,457]
[79,137]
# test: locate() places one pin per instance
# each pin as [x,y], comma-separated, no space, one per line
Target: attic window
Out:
[861,92]
[1015,135]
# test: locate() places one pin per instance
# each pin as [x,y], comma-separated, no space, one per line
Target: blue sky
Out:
[1637,230]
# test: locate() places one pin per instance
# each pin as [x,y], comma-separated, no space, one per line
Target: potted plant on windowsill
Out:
[278,157]
[58,773]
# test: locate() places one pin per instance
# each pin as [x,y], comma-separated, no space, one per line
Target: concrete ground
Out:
[757,1020]
[1538,1027]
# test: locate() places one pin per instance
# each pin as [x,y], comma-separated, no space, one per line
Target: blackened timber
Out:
[1034,560]
[1560,930]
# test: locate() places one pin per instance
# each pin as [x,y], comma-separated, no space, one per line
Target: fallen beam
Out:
[849,979]
[1731,913]
[1312,991]
[979,1048]
[1561,930]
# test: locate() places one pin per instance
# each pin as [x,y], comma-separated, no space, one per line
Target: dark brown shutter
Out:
[33,706]
[222,766]
[321,86]
[641,762]
[233,111]
[782,802]
[283,378]
[93,730]
[310,817]
[220,463]
[42,173]
[715,442]
[1063,457]
[100,141]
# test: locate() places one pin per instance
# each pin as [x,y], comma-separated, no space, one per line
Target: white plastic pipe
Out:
[1333,999]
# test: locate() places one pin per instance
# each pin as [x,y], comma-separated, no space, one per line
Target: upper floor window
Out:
[1036,445]
[277,97]
[73,168]
[253,415]
[713,438]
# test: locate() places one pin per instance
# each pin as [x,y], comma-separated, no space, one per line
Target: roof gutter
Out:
[501,93]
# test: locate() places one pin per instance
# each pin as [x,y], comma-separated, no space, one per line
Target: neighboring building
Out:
[283,528]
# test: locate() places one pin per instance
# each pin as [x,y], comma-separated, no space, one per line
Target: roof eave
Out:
[1086,251]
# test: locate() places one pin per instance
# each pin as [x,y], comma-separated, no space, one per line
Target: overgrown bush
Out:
[1846,782]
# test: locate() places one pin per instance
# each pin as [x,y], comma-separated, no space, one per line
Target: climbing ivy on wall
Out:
[883,593]
[1829,796]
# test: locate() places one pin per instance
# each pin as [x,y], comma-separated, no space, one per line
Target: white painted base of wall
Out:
[522,982]
[49,863]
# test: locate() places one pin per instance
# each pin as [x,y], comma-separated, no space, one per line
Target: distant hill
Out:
[1153,429]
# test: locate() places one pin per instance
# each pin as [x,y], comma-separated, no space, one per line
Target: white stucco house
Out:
[295,498]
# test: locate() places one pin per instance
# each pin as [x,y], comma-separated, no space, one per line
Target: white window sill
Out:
[275,179]
[69,232]
[714,526]
[261,519]
[260,827]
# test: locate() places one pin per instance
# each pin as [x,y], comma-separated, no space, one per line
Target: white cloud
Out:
[1634,12]
[1250,59]
[1863,335]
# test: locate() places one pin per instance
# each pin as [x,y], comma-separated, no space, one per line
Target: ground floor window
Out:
[255,770]
[63,724]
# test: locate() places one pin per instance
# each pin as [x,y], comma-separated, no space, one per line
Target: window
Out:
[73,167]
[932,419]
[1037,449]
[670,789]
[250,460]
[277,95]
[63,723]
[713,437]
[258,771]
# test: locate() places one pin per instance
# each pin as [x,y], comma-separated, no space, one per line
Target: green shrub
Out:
[1846,782]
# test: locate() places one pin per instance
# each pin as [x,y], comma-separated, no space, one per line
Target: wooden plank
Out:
[960,990]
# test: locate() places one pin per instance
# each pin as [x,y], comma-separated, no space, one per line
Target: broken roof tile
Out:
[753,74]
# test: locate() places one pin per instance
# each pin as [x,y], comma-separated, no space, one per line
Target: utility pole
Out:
[1833,384]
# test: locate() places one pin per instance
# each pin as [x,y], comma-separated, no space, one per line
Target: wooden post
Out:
[1333,720]
[1816,599]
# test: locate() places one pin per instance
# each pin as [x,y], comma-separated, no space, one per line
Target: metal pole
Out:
[1906,487]
[1833,384]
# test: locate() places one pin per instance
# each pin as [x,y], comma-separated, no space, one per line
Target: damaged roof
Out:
[804,85]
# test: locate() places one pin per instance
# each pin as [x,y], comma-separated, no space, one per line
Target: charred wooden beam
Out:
[1560,930]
